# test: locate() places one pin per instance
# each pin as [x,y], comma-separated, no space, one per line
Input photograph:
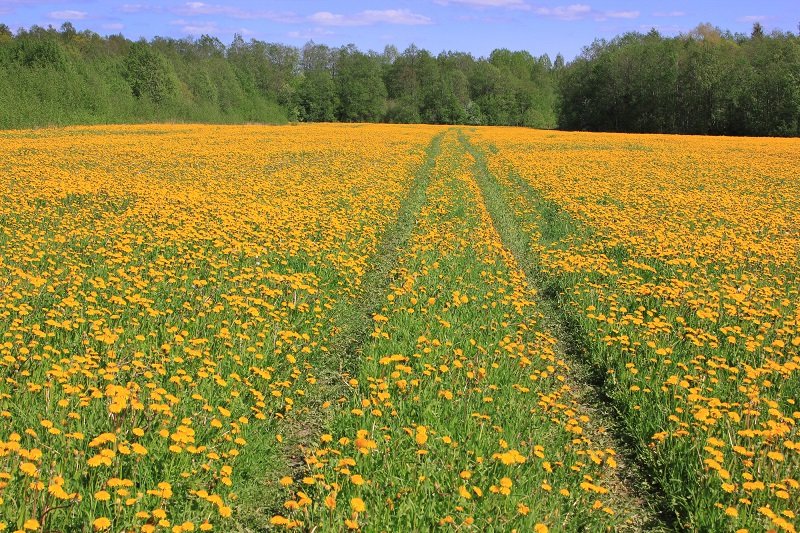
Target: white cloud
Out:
[583,11]
[68,14]
[133,8]
[754,18]
[201,8]
[669,14]
[313,33]
[565,12]
[570,12]
[192,9]
[192,28]
[370,17]
[508,4]
[113,26]
[622,14]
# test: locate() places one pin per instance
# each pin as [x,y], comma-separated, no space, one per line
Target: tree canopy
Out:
[706,81]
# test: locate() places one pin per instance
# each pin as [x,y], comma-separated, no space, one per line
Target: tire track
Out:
[356,319]
[639,494]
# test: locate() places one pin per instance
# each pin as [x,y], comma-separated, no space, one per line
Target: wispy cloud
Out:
[369,17]
[563,12]
[113,26]
[508,4]
[669,14]
[622,14]
[313,33]
[201,8]
[605,15]
[583,11]
[67,14]
[754,18]
[487,19]
[194,28]
[192,9]
[570,12]
[137,8]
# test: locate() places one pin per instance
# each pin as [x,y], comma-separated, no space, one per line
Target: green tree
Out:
[316,96]
[40,52]
[706,81]
[360,87]
[148,74]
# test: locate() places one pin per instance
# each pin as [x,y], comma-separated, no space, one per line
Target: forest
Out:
[707,81]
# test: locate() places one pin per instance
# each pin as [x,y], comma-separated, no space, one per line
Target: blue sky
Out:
[477,26]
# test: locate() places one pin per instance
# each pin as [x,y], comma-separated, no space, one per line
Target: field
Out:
[397,328]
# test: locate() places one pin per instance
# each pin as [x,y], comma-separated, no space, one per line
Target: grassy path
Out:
[461,413]
[690,483]
[402,328]
[700,384]
[300,432]
[635,486]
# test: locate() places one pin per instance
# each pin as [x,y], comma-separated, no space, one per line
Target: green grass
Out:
[354,316]
[684,493]
[468,381]
[647,502]
[458,371]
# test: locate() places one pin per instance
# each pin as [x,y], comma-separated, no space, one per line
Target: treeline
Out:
[345,84]
[50,76]
[58,77]
[706,82]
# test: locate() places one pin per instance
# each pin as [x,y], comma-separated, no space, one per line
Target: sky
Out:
[475,26]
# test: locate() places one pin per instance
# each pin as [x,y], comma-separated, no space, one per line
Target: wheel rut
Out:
[637,493]
[355,318]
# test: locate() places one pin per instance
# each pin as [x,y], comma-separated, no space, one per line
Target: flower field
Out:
[397,328]
[680,261]
[169,297]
